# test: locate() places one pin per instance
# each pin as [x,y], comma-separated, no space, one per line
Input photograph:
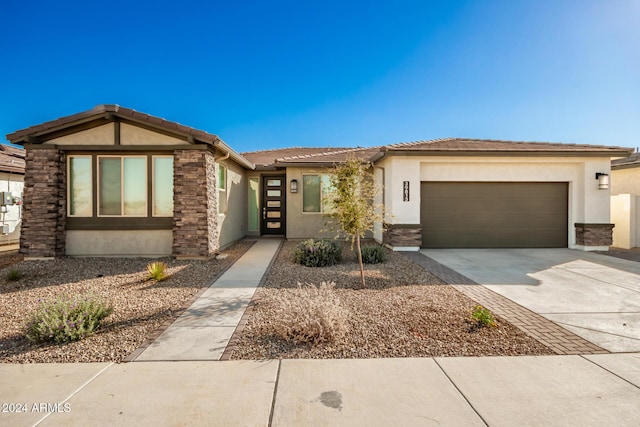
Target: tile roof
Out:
[100,110]
[109,110]
[490,145]
[269,157]
[330,157]
[627,162]
[11,159]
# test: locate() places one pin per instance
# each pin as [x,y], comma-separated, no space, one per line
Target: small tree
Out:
[351,198]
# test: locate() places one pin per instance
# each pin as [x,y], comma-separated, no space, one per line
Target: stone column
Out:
[403,236]
[594,234]
[195,220]
[44,211]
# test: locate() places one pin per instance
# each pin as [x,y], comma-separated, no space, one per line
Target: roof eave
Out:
[623,152]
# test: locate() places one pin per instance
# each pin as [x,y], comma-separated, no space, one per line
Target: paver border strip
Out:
[237,333]
[543,330]
[165,325]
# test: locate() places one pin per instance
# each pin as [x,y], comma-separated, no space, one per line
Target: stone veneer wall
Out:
[44,211]
[195,219]
[594,234]
[402,235]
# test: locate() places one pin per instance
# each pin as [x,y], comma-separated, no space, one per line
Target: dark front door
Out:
[273,204]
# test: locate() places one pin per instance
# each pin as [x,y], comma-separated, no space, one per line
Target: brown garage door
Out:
[494,214]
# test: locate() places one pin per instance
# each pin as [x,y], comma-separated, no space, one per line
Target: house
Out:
[114,181]
[11,181]
[625,201]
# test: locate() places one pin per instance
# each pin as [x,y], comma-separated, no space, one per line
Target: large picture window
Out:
[122,186]
[314,190]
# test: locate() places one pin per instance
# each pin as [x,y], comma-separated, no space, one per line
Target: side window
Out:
[222,188]
[163,186]
[80,190]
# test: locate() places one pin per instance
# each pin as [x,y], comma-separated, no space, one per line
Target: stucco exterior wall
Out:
[625,214]
[127,243]
[134,135]
[303,225]
[625,181]
[14,183]
[233,222]
[100,135]
[587,204]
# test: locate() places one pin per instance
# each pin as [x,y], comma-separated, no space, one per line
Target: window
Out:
[222,189]
[127,186]
[122,186]
[163,186]
[80,186]
[314,190]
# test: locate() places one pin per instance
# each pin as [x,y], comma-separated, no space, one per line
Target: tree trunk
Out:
[360,259]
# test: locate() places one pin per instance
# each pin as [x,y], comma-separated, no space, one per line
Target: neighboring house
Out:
[12,181]
[625,201]
[113,181]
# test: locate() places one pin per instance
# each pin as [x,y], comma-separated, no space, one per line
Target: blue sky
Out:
[332,73]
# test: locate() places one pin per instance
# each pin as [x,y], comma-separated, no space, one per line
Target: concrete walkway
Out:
[591,390]
[594,296]
[203,331]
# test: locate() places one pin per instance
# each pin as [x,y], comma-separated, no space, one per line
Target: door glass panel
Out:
[254,209]
[273,183]
[273,203]
[273,224]
[273,214]
[273,193]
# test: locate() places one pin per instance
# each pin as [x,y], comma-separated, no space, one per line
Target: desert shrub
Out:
[67,318]
[483,316]
[14,274]
[318,253]
[373,254]
[310,314]
[157,270]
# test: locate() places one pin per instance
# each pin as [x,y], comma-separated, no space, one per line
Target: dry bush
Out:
[310,314]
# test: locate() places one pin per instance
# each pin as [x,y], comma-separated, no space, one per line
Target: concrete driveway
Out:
[595,296]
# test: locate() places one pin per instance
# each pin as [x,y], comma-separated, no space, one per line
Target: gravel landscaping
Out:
[404,312]
[140,305]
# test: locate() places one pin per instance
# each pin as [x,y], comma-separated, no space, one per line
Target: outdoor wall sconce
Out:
[294,186]
[603,180]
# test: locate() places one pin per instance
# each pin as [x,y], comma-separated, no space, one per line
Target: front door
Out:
[273,204]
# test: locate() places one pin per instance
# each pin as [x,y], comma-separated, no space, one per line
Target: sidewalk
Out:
[203,331]
[590,390]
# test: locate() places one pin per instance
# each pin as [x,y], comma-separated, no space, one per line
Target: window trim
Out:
[69,157]
[153,185]
[122,201]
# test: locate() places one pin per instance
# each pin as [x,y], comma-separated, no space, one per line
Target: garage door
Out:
[494,214]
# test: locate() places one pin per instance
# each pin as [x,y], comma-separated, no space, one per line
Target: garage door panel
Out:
[463,214]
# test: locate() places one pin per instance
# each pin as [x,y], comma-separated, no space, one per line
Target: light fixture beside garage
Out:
[603,180]
[294,186]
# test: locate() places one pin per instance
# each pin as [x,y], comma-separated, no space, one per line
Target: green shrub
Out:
[309,314]
[157,270]
[483,316]
[14,274]
[67,318]
[373,254]
[318,253]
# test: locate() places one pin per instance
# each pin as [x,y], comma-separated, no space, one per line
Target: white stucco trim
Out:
[403,248]
[590,248]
